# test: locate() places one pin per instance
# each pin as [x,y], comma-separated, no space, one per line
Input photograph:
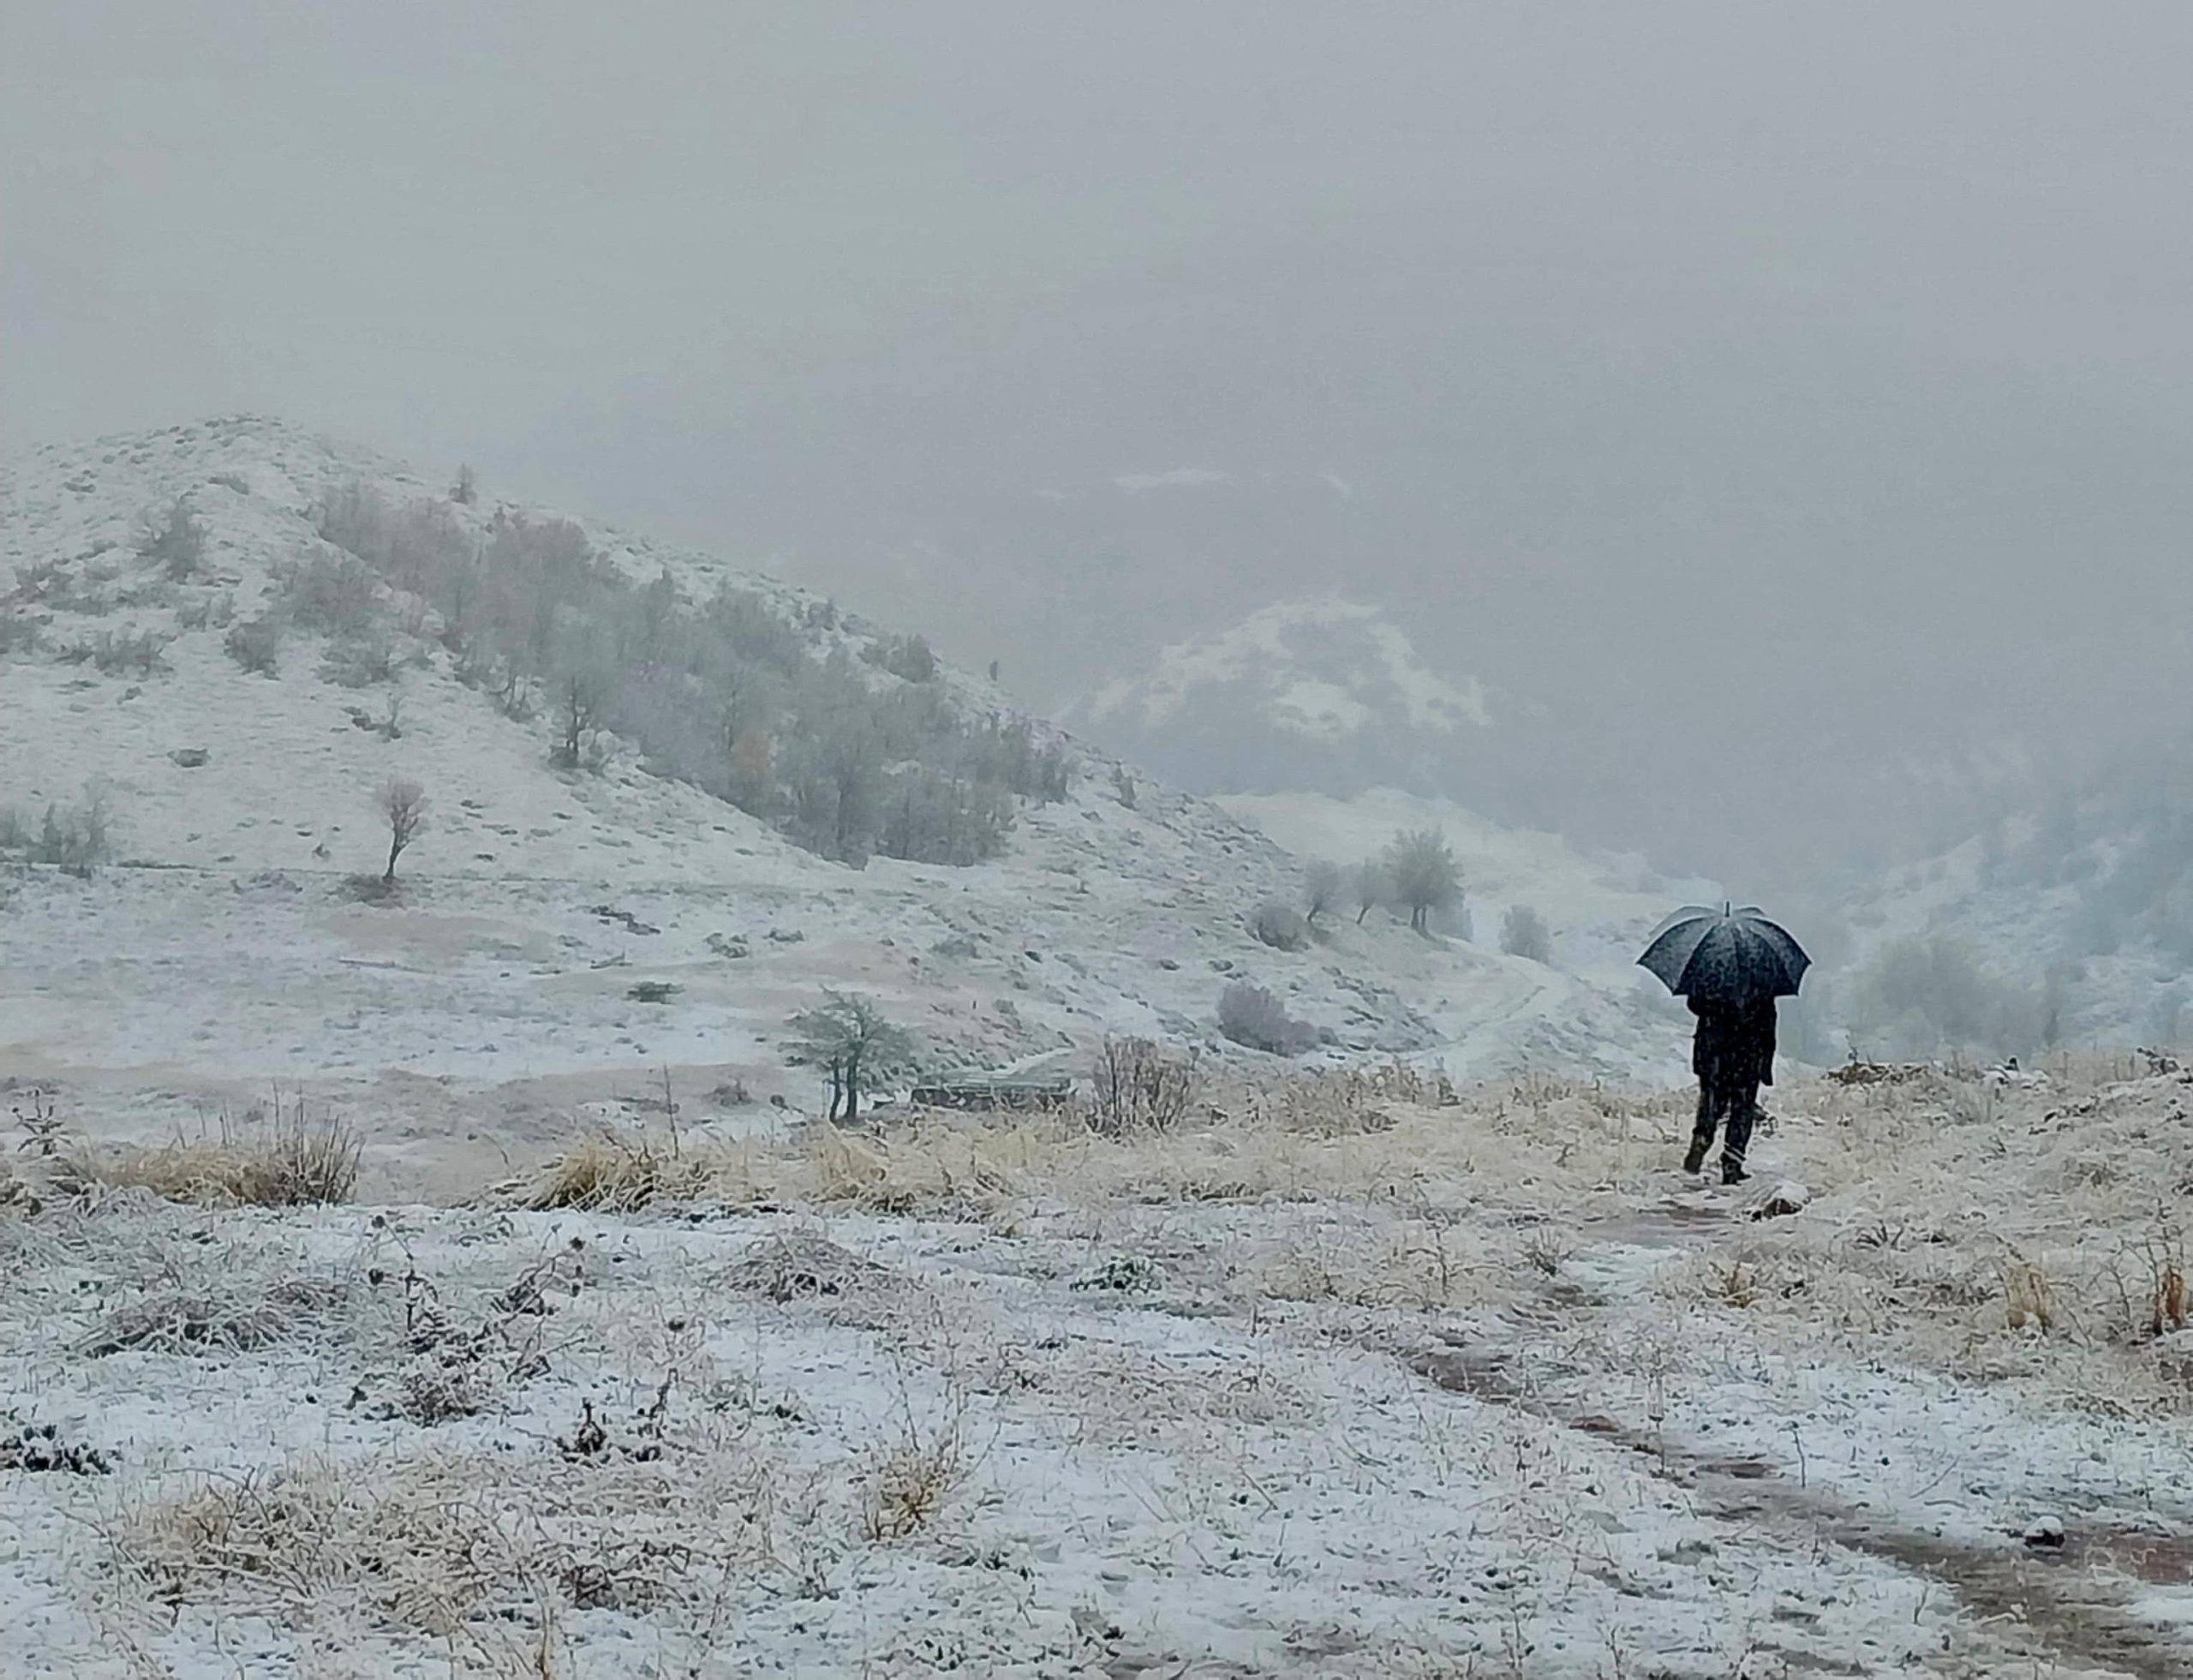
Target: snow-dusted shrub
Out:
[137,652]
[336,593]
[256,644]
[907,656]
[176,543]
[73,838]
[1280,927]
[1249,1015]
[360,662]
[1523,933]
[19,633]
[933,818]
[1140,1085]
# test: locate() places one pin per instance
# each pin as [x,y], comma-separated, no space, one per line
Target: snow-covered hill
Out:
[233,944]
[2066,923]
[1589,1009]
[1320,692]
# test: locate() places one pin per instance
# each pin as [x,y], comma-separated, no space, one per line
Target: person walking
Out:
[1729,965]
[1732,1053]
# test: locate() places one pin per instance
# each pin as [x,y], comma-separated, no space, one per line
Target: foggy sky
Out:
[1844,348]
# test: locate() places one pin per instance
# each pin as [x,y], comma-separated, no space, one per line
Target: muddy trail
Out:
[2061,1605]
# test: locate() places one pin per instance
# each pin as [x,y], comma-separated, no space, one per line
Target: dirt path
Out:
[2065,1607]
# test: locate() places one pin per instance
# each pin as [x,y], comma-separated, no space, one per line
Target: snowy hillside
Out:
[2067,924]
[1319,692]
[1591,1007]
[236,945]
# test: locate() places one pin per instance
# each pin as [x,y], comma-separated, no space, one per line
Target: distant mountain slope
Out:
[1318,692]
[2062,924]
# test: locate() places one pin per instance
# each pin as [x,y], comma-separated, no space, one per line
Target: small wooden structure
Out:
[974,1091]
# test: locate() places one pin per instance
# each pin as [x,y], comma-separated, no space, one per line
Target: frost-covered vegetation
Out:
[1036,1394]
[849,746]
[75,838]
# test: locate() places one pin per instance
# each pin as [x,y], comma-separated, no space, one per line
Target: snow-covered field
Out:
[1340,1378]
[1346,1381]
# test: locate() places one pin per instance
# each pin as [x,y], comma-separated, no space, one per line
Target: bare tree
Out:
[1323,886]
[1424,875]
[1368,888]
[402,806]
[849,1039]
[467,488]
[578,715]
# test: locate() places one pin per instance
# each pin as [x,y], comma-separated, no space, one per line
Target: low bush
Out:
[256,644]
[1139,1085]
[73,838]
[1252,1016]
[1280,927]
[1523,933]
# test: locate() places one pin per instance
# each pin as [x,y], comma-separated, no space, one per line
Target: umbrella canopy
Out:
[1728,955]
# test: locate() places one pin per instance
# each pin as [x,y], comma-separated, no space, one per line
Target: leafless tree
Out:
[402,806]
[1324,886]
[579,714]
[1367,887]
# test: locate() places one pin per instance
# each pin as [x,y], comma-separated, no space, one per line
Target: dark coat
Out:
[1735,1043]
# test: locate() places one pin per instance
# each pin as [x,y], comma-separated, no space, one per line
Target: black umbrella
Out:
[1727,955]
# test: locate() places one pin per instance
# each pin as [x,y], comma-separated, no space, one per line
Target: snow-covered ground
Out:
[228,950]
[1339,1378]
[1341,1386]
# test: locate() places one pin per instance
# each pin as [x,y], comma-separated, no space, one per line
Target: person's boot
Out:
[1732,1170]
[1693,1160]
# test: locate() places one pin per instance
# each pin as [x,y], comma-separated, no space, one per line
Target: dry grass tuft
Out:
[935,1166]
[909,1480]
[800,1266]
[617,1170]
[483,1555]
[2028,1298]
[173,1321]
[287,1159]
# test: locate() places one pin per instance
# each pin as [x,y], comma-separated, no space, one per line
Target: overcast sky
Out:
[1860,332]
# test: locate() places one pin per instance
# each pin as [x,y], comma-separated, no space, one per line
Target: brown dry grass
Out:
[627,1170]
[285,1159]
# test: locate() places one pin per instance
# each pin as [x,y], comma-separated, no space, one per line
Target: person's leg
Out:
[1701,1131]
[1743,1110]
